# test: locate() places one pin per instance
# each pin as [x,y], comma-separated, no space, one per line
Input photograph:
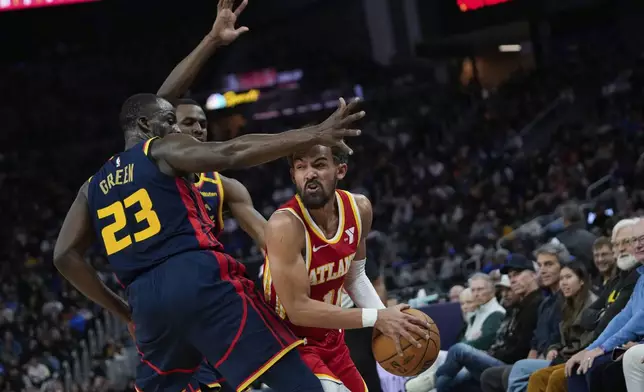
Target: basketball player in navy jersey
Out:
[216,191]
[214,188]
[186,299]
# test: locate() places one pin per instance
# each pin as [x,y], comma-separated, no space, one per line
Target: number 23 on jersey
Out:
[145,213]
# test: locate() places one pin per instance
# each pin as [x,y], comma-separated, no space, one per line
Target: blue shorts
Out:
[198,306]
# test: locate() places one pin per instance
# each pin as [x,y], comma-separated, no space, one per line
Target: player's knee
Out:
[332,386]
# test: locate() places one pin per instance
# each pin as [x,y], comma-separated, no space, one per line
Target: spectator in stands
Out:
[508,297]
[468,309]
[627,327]
[605,263]
[37,372]
[550,258]
[575,286]
[455,293]
[480,333]
[575,237]
[634,368]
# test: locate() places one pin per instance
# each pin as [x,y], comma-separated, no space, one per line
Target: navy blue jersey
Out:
[143,217]
[212,190]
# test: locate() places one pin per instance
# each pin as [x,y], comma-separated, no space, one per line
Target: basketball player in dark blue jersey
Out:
[186,299]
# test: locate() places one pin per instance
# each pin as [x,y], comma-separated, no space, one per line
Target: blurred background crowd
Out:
[490,131]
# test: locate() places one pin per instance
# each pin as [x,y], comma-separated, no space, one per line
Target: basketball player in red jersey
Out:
[315,247]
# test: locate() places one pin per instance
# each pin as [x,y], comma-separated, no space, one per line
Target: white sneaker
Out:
[424,382]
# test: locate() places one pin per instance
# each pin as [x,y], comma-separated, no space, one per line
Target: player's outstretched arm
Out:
[177,154]
[241,206]
[223,32]
[74,239]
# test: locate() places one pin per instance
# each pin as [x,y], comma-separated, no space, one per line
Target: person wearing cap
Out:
[504,290]
[524,285]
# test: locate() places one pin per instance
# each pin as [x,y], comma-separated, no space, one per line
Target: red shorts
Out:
[329,359]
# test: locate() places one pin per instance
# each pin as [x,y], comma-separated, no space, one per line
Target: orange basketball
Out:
[415,360]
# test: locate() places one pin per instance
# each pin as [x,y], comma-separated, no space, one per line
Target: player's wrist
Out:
[369,317]
[213,39]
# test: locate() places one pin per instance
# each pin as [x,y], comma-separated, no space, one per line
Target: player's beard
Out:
[316,199]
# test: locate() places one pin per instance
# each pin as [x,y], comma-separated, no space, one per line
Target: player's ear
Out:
[144,124]
[292,177]
[341,171]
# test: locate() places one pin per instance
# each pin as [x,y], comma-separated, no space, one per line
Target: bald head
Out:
[149,114]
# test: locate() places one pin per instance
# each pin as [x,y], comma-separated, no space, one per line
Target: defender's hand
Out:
[392,322]
[223,30]
[332,131]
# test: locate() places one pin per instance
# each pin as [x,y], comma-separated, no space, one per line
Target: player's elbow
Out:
[299,312]
[61,258]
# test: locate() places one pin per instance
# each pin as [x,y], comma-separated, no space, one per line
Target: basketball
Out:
[415,360]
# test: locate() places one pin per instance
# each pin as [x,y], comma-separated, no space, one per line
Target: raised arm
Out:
[223,33]
[357,284]
[177,154]
[74,239]
[284,243]
[238,199]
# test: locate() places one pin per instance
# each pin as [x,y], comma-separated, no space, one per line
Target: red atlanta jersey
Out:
[327,259]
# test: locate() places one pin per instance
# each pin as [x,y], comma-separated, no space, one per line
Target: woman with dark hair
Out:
[575,285]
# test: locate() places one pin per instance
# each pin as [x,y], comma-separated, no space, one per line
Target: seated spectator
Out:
[605,263]
[575,237]
[481,330]
[617,292]
[504,289]
[464,363]
[468,308]
[627,327]
[634,368]
[37,372]
[455,293]
[576,289]
[550,258]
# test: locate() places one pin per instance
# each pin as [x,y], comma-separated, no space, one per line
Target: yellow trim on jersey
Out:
[90,179]
[146,146]
[242,387]
[267,280]
[214,385]
[328,377]
[202,178]
[365,385]
[356,214]
[220,208]
[316,229]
